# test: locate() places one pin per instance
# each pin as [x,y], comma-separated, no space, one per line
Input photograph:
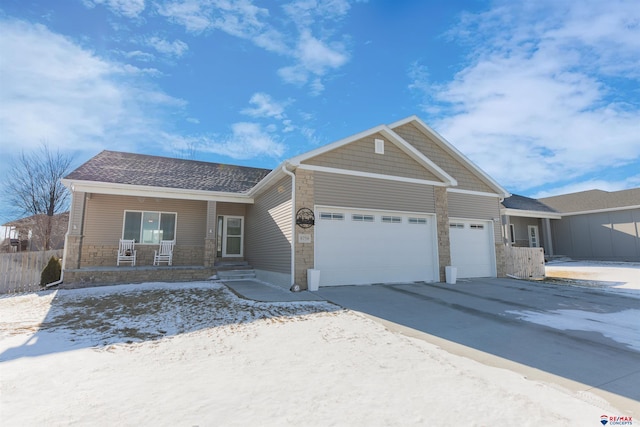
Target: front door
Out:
[534,241]
[232,236]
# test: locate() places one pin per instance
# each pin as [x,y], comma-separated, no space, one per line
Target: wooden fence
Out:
[525,263]
[20,271]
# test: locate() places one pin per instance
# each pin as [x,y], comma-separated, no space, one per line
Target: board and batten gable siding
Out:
[471,206]
[371,193]
[360,156]
[268,229]
[423,143]
[104,217]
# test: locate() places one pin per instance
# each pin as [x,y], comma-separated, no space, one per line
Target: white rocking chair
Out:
[127,252]
[164,252]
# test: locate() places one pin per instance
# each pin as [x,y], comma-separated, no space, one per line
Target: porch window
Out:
[149,227]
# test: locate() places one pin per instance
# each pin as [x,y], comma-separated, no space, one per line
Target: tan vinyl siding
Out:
[75,213]
[371,193]
[268,229]
[232,209]
[466,179]
[360,156]
[471,206]
[104,218]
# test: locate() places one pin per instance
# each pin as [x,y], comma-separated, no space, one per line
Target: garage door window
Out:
[362,218]
[331,216]
[420,221]
[392,219]
[456,225]
[477,226]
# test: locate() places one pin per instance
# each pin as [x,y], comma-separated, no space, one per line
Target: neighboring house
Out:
[30,233]
[394,203]
[597,225]
[526,222]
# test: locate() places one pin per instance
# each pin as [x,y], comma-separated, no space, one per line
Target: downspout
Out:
[293,223]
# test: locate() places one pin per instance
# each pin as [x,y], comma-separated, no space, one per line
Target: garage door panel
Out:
[472,248]
[357,252]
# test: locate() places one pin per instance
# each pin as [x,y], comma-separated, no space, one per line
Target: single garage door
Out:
[362,246]
[472,251]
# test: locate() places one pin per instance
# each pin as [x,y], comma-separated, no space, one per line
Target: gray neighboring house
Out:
[597,225]
[526,222]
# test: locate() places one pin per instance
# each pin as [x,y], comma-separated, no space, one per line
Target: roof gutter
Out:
[293,222]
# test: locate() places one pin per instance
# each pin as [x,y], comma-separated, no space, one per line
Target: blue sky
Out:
[542,95]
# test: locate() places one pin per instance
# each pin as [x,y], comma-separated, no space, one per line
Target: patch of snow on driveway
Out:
[614,275]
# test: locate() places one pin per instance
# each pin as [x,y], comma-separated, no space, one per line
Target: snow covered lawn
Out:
[194,354]
[621,276]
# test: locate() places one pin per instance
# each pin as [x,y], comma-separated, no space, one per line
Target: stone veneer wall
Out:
[304,251]
[501,260]
[442,219]
[117,275]
[106,256]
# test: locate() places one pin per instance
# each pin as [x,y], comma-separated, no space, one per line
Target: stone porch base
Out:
[96,276]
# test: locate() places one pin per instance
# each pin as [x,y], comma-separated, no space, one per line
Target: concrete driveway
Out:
[546,332]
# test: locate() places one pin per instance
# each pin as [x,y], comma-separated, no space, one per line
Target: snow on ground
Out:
[619,276]
[195,354]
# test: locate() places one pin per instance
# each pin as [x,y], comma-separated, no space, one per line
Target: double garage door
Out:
[363,246]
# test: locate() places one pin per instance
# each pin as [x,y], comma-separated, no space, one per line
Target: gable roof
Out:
[164,172]
[594,200]
[394,138]
[517,205]
[453,151]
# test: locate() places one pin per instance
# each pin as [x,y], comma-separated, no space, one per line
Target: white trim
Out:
[621,208]
[393,137]
[536,239]
[265,182]
[473,192]
[159,192]
[453,151]
[370,175]
[530,214]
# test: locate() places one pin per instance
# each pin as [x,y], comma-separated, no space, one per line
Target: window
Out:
[379,146]
[456,225]
[477,226]
[392,219]
[512,233]
[417,221]
[331,216]
[149,227]
[362,218]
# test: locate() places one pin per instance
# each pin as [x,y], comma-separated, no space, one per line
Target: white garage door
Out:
[472,251]
[360,246]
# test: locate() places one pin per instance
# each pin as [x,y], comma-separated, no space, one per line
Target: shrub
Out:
[51,272]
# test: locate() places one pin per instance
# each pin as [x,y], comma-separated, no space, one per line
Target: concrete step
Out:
[242,274]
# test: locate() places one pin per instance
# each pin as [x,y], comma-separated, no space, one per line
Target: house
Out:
[30,233]
[597,225]
[526,222]
[394,203]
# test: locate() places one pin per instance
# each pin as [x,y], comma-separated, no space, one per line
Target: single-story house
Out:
[31,233]
[597,225]
[394,203]
[591,225]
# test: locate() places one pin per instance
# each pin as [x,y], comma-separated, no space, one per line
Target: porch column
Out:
[210,236]
[548,242]
[73,240]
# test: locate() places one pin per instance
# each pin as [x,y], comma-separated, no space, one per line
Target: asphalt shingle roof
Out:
[526,204]
[140,169]
[593,200]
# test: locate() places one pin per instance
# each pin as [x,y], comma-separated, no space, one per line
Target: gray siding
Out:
[371,193]
[606,236]
[473,206]
[104,218]
[360,156]
[268,229]
[522,231]
[76,212]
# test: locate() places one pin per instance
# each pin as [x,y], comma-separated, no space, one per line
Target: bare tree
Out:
[33,186]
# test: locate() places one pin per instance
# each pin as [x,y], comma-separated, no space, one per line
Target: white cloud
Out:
[533,106]
[175,48]
[247,140]
[128,8]
[264,106]
[53,90]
